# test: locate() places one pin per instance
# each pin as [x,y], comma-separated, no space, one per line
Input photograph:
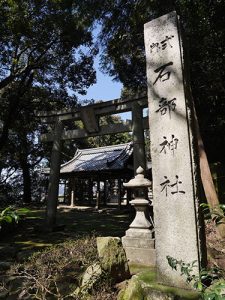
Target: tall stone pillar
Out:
[175,165]
[138,137]
[53,187]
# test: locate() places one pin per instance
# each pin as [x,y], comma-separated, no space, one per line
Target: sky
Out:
[105,88]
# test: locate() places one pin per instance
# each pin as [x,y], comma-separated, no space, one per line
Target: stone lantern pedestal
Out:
[138,241]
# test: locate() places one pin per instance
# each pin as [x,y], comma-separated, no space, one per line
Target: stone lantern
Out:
[138,241]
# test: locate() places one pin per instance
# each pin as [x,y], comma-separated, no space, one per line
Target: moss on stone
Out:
[133,291]
[115,253]
[145,286]
[148,278]
[113,258]
[138,268]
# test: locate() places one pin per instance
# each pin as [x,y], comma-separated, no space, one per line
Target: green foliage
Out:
[216,213]
[203,24]
[215,292]
[45,46]
[107,140]
[46,59]
[206,281]
[11,214]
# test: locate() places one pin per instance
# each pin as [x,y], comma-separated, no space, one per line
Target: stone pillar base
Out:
[139,250]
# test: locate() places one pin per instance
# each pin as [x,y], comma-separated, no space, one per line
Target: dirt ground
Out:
[215,246]
[32,234]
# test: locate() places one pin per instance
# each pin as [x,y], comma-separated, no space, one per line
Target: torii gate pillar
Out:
[53,187]
[138,137]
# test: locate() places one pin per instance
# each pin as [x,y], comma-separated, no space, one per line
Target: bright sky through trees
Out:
[105,88]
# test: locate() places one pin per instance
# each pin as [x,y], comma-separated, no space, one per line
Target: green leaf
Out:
[22,210]
[6,211]
[199,286]
[210,296]
[204,205]
[8,219]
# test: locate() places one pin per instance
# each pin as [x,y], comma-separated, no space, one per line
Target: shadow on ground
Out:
[32,235]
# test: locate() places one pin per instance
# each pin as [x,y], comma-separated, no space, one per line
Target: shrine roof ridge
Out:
[101,158]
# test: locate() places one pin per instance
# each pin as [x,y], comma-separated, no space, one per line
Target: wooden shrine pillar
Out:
[65,191]
[53,187]
[105,192]
[72,198]
[98,196]
[138,137]
[90,191]
[128,196]
[119,193]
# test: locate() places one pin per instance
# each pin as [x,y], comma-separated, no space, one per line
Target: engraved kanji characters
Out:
[166,42]
[173,188]
[170,145]
[163,73]
[162,45]
[166,106]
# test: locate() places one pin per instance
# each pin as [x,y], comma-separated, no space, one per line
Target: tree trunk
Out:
[207,181]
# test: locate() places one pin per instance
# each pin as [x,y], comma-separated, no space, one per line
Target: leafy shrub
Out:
[216,213]
[11,214]
[209,282]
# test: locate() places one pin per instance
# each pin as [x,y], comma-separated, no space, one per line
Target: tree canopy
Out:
[203,22]
[46,59]
[40,46]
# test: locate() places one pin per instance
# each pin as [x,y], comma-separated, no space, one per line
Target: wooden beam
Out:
[82,133]
[100,109]
[103,130]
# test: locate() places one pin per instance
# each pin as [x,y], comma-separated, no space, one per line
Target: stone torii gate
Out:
[90,115]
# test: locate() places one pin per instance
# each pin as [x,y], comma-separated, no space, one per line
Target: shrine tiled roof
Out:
[96,159]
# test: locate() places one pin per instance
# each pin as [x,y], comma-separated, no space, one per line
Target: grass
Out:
[31,234]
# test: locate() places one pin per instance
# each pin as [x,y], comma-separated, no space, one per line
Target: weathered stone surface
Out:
[174,165]
[144,286]
[133,291]
[113,258]
[138,242]
[90,277]
[143,256]
[136,291]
